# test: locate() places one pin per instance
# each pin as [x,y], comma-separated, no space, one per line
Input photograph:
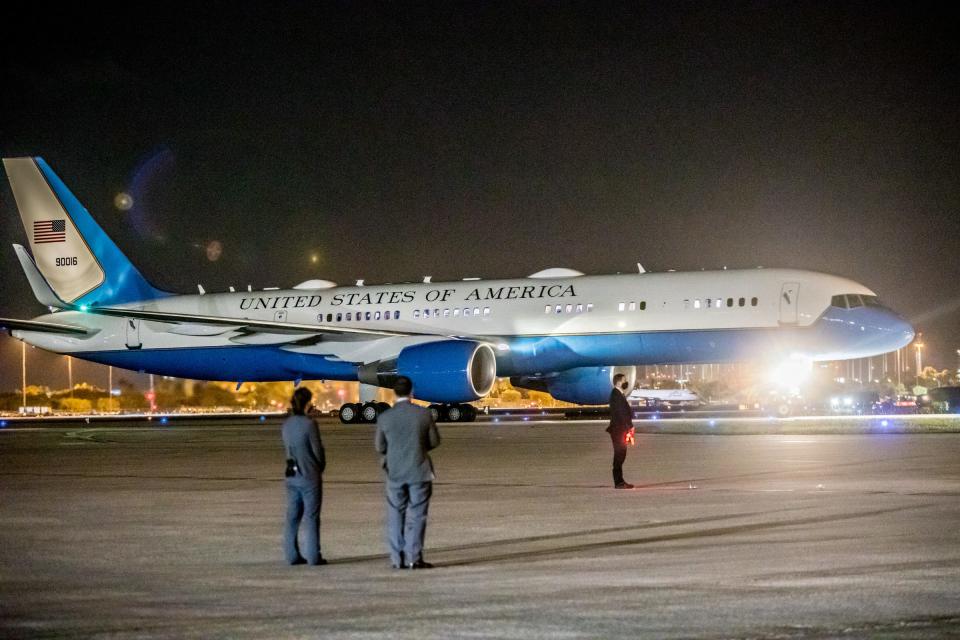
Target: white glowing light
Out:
[123,201]
[791,373]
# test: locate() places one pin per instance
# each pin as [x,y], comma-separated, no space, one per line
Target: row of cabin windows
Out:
[717,303]
[455,312]
[360,316]
[568,308]
[706,303]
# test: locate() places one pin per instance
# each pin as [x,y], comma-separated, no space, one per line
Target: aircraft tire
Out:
[439,413]
[349,413]
[369,412]
[455,413]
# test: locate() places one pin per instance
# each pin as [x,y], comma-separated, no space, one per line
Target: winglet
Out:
[41,289]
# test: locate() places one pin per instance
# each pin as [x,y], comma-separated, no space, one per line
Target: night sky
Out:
[389,143]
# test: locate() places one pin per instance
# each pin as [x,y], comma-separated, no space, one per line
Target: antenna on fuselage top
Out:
[200,289]
[426,279]
[640,268]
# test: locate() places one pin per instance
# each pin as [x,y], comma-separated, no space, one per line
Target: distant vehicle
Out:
[35,411]
[940,400]
[661,397]
[855,403]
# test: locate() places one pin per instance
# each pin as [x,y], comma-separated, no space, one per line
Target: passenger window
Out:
[729,302]
[569,308]
[696,303]
[426,313]
[559,308]
[579,308]
[753,302]
[719,303]
[416,313]
[589,307]
[456,312]
[349,316]
[329,317]
[709,303]
[621,306]
[686,304]
[367,315]
[633,306]
[446,313]
[436,313]
[486,311]
[396,314]
[643,305]
[547,309]
[376,315]
[320,318]
[476,311]
[339,317]
[742,302]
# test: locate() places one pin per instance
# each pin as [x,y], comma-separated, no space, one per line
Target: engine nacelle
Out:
[588,385]
[450,370]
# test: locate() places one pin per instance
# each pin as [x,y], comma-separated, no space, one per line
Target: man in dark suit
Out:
[621,426]
[405,434]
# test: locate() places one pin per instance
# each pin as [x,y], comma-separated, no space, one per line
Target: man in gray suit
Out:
[404,435]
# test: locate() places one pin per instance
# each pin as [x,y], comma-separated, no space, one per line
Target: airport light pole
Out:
[70,374]
[23,373]
[919,347]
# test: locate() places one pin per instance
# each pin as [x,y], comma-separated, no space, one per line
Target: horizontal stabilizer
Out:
[44,327]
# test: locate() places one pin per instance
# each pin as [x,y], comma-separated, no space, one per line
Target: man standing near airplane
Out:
[621,426]
[405,434]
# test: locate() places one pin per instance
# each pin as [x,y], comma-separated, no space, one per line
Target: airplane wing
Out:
[44,327]
[245,323]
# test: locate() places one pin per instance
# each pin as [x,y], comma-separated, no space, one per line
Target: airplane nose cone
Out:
[900,331]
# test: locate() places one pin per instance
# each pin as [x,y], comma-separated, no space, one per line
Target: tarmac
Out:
[143,530]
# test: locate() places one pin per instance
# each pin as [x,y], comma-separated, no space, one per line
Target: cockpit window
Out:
[854,300]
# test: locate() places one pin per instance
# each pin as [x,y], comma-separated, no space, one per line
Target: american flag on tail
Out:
[49,231]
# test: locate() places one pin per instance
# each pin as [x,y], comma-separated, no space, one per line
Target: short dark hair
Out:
[403,386]
[300,401]
[617,377]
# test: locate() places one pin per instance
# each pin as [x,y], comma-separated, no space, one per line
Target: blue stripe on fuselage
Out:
[250,363]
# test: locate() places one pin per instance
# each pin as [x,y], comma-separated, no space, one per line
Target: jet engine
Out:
[583,385]
[449,371]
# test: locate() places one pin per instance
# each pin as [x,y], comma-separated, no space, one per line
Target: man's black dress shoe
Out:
[420,564]
[299,561]
[623,485]
[320,562]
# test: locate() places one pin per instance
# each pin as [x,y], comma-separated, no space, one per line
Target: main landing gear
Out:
[357,412]
[453,412]
[367,412]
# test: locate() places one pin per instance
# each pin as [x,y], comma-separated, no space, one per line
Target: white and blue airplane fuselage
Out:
[557,330]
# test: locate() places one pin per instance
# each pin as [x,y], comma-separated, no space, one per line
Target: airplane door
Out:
[133,333]
[788,303]
[280,316]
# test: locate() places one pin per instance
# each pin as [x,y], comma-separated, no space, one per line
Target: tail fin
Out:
[77,259]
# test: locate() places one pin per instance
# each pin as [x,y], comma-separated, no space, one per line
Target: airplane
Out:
[556,330]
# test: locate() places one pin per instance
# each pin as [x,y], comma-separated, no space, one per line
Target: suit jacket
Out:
[621,415]
[301,439]
[405,434]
